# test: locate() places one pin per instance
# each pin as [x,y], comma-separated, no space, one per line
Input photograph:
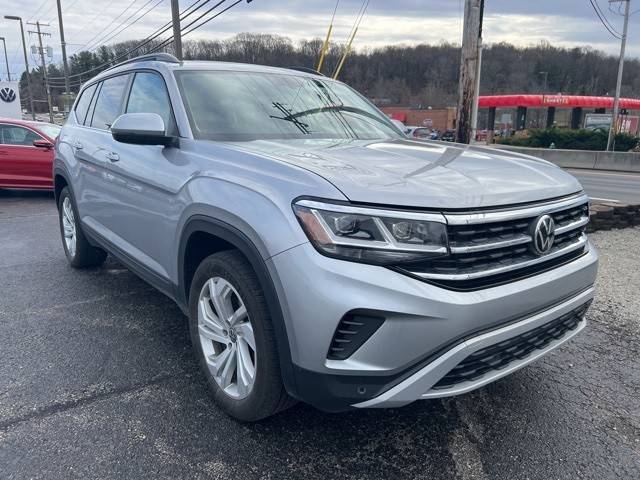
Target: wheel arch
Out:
[229,237]
[60,180]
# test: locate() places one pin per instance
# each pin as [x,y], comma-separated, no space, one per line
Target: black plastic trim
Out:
[161,283]
[235,237]
[353,330]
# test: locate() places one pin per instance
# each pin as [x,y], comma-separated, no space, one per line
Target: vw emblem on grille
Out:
[544,233]
[7,95]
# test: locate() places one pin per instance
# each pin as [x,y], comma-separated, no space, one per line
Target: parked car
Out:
[481,135]
[26,153]
[318,253]
[420,132]
[448,136]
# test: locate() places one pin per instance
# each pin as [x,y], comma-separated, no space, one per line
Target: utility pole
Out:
[6,59]
[26,63]
[476,91]
[44,65]
[65,64]
[467,94]
[616,100]
[545,85]
[177,35]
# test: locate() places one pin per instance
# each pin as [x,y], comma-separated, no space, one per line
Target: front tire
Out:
[80,253]
[233,338]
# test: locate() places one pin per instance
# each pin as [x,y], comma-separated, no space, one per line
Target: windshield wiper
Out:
[289,117]
[339,108]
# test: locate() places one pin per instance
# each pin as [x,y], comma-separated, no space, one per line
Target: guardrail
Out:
[594,160]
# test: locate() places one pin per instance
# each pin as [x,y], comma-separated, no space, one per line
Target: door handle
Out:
[113,156]
[77,145]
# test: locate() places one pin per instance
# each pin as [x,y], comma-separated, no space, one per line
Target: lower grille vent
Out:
[353,330]
[500,355]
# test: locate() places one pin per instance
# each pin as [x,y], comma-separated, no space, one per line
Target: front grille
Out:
[501,355]
[490,249]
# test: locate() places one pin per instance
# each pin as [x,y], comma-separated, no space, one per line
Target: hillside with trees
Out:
[401,75]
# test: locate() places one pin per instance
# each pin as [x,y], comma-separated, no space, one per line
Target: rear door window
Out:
[82,106]
[109,103]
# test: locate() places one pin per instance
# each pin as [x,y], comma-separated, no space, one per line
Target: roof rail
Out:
[306,70]
[151,57]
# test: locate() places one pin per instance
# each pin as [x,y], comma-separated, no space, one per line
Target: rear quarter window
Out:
[82,105]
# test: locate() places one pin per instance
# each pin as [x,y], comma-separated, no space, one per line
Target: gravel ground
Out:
[97,380]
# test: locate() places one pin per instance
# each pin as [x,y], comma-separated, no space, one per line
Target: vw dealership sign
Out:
[10,100]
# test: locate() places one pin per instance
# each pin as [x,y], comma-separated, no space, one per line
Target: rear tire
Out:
[80,253]
[250,387]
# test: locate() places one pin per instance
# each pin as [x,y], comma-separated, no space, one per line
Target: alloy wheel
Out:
[226,338]
[69,227]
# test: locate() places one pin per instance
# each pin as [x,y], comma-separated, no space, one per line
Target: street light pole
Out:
[26,63]
[616,100]
[6,59]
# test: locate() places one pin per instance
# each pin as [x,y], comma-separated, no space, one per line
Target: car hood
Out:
[433,175]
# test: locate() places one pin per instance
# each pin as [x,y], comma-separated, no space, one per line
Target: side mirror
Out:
[46,144]
[141,129]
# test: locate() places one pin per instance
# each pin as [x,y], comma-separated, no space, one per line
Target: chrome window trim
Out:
[581,243]
[515,213]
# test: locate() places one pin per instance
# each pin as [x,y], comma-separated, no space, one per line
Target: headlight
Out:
[372,235]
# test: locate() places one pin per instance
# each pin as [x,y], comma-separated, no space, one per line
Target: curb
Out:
[608,215]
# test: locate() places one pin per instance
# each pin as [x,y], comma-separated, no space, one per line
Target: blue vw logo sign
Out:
[7,95]
[544,233]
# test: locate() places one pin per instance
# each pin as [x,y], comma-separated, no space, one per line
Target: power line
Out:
[122,27]
[92,21]
[101,31]
[146,41]
[605,23]
[170,40]
[118,32]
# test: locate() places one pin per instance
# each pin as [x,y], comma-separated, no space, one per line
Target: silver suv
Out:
[319,254]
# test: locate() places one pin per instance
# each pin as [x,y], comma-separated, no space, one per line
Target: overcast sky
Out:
[522,22]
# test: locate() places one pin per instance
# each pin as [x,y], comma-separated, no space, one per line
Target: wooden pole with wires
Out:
[346,53]
[325,45]
[616,100]
[467,94]
[354,31]
[177,33]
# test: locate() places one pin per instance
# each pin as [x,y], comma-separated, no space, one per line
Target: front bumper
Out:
[428,329]
[423,383]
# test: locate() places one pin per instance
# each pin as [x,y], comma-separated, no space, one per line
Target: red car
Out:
[26,153]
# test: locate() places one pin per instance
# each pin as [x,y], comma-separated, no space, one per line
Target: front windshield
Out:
[243,106]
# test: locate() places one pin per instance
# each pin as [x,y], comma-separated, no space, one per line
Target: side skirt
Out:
[162,284]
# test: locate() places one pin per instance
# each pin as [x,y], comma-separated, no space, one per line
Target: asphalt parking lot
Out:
[97,380]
